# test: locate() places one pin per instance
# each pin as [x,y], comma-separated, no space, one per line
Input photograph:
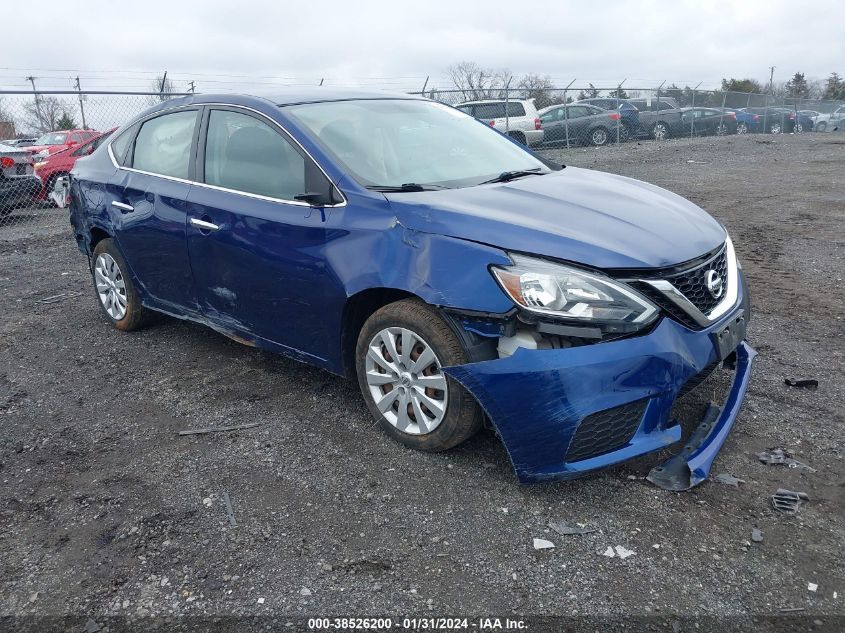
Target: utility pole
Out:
[191,87]
[772,80]
[161,88]
[81,106]
[31,80]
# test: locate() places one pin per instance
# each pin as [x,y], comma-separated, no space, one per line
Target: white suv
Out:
[516,118]
[832,121]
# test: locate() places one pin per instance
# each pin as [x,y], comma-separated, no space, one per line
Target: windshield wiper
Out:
[407,187]
[507,176]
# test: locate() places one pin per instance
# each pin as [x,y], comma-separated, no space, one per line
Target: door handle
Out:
[202,225]
[126,208]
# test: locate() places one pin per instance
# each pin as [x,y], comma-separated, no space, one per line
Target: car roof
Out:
[295,96]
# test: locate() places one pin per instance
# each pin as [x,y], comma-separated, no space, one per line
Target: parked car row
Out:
[604,120]
[30,172]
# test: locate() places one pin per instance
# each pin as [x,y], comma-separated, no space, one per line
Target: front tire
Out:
[400,354]
[742,128]
[114,289]
[599,137]
[660,132]
[821,127]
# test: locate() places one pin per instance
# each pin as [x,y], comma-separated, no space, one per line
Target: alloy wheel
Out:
[405,381]
[775,128]
[111,288]
[660,132]
[599,137]
[742,128]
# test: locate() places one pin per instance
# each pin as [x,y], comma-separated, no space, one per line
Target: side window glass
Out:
[245,154]
[121,144]
[163,144]
[515,109]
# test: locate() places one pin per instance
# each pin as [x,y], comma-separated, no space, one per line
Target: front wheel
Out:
[742,128]
[776,128]
[400,354]
[660,131]
[599,137]
[115,292]
[821,127]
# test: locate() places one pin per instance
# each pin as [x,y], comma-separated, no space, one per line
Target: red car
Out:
[53,142]
[60,163]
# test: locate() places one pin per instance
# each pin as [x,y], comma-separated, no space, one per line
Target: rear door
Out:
[148,207]
[257,252]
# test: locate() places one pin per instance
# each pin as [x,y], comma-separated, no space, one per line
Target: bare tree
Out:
[44,113]
[476,82]
[540,88]
[164,87]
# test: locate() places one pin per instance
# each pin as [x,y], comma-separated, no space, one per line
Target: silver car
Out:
[18,183]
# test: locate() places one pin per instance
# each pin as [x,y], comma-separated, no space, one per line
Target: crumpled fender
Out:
[536,398]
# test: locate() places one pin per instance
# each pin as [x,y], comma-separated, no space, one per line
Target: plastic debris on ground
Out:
[730,480]
[802,383]
[619,551]
[229,511]
[757,535]
[780,456]
[563,528]
[541,543]
[811,586]
[788,501]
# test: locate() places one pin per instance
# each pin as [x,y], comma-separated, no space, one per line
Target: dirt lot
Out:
[105,511]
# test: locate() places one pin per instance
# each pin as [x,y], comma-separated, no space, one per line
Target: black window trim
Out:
[202,109]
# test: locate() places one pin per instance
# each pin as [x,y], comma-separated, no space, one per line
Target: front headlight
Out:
[564,292]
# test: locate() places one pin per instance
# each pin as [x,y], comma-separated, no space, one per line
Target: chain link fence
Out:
[42,134]
[546,118]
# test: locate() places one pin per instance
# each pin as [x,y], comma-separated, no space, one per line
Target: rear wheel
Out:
[821,127]
[114,289]
[660,131]
[400,354]
[775,128]
[599,137]
[721,129]
[742,128]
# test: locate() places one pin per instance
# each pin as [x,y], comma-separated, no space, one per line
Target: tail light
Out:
[791,116]
[732,115]
[537,124]
[756,117]
[7,162]
[614,116]
[493,123]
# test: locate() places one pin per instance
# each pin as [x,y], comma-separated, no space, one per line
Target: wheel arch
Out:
[357,309]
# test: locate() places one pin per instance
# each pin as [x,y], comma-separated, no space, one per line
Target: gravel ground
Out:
[105,511]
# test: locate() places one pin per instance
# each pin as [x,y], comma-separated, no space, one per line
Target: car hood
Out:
[579,215]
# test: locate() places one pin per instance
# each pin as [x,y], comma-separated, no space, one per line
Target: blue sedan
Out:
[452,272]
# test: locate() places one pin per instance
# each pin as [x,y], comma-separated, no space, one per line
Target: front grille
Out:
[606,431]
[691,282]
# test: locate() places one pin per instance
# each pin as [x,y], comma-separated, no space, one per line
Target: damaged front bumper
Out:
[562,413]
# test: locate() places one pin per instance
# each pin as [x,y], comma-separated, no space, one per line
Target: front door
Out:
[257,252]
[148,208]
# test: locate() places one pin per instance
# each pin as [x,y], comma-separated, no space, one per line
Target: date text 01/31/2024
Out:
[416,624]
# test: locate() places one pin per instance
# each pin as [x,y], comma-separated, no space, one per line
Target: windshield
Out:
[394,142]
[52,138]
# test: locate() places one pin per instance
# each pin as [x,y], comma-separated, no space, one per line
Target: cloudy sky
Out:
[226,45]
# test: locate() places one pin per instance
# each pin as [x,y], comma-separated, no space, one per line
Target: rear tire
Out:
[742,128]
[114,289]
[405,390]
[821,127]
